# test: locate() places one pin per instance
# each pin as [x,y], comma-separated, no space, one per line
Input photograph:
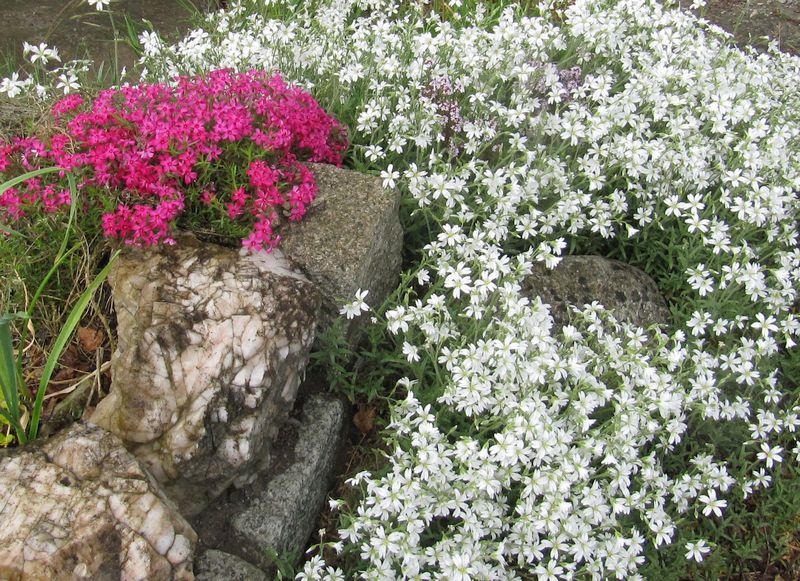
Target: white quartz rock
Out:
[80,506]
[211,345]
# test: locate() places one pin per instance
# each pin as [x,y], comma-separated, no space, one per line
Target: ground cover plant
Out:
[518,133]
[519,450]
[148,153]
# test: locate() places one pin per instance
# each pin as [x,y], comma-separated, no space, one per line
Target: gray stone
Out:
[278,515]
[351,239]
[80,506]
[577,280]
[218,566]
[212,344]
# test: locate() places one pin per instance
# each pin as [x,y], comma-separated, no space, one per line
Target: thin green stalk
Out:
[61,256]
[26,176]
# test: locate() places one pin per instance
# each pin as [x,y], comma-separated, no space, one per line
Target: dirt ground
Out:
[750,21]
[79,31]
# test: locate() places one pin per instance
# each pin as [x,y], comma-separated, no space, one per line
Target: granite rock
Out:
[278,514]
[351,239]
[214,565]
[628,292]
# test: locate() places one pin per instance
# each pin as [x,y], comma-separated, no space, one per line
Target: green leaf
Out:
[8,367]
[61,343]
[26,176]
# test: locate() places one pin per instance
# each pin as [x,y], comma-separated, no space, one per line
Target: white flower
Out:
[712,503]
[770,455]
[40,53]
[761,478]
[411,352]
[697,550]
[13,86]
[700,279]
[68,83]
[358,306]
[374,152]
[150,41]
[458,279]
[389,176]
[98,4]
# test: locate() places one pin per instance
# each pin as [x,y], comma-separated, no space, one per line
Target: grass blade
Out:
[61,256]
[61,343]
[8,377]
[20,431]
[8,368]
[26,176]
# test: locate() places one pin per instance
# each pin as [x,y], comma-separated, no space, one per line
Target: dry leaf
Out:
[63,374]
[71,356]
[364,420]
[90,339]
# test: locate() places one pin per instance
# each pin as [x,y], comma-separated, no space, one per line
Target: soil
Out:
[80,32]
[755,22]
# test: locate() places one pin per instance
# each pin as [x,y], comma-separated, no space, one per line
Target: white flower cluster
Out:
[541,451]
[43,82]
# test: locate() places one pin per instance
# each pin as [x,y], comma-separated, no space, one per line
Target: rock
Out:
[279,514]
[577,280]
[218,566]
[80,506]
[351,239]
[212,344]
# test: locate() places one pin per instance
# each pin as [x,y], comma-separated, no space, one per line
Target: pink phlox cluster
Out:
[31,152]
[238,202]
[11,204]
[232,141]
[6,151]
[66,105]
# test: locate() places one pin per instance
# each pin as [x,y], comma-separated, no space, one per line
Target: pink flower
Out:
[262,175]
[208,197]
[262,237]
[67,104]
[142,150]
[239,201]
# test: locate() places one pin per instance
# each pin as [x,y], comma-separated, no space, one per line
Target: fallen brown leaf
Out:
[71,356]
[64,374]
[364,420]
[90,339]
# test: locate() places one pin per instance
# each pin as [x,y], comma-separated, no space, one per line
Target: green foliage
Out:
[20,409]
[284,563]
